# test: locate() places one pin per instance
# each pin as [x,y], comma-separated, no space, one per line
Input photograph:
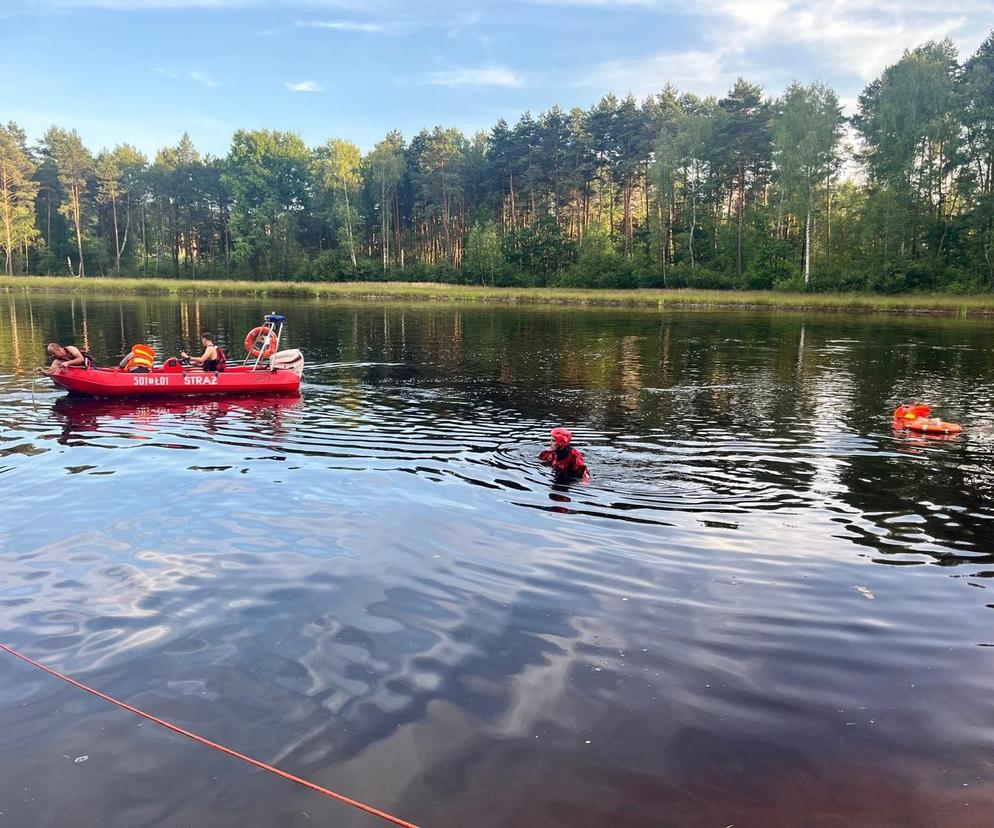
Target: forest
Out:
[747,191]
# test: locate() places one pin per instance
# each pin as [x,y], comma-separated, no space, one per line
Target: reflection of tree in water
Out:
[924,496]
[749,404]
[927,499]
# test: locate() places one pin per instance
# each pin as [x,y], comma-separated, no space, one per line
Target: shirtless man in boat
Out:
[212,358]
[64,356]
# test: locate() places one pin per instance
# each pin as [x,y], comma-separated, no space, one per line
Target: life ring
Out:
[252,342]
[915,418]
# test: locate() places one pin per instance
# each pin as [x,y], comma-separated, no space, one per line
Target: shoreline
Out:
[930,304]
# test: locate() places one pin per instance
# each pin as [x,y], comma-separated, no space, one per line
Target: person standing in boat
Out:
[213,357]
[566,461]
[65,356]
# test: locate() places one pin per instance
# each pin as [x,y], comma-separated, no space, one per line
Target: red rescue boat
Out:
[112,382]
[266,371]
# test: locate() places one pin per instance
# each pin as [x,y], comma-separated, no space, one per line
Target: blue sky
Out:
[143,71]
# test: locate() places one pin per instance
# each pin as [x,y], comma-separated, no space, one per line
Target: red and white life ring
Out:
[255,339]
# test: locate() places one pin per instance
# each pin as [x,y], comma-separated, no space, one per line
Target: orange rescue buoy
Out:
[255,339]
[916,418]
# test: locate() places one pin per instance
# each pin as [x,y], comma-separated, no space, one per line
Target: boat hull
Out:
[240,380]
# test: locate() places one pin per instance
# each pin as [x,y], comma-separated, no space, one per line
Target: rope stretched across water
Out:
[369,809]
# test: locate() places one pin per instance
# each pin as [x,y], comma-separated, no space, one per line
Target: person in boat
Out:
[213,357]
[65,356]
[139,360]
[565,460]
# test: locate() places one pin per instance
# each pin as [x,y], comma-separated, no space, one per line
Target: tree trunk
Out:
[693,227]
[75,198]
[7,222]
[610,210]
[663,238]
[741,241]
[627,217]
[48,237]
[144,241]
[383,226]
[828,221]
[513,213]
[398,244]
[807,246]
[348,224]
[117,240]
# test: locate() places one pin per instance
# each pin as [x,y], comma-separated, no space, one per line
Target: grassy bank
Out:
[982,304]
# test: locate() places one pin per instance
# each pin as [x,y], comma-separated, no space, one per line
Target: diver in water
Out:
[566,461]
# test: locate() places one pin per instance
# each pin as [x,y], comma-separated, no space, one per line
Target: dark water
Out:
[766,608]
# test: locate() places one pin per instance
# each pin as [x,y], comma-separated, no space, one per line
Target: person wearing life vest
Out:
[213,357]
[65,356]
[565,460]
[911,411]
[139,360]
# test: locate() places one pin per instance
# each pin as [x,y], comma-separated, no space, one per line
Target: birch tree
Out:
[807,128]
[17,194]
[342,174]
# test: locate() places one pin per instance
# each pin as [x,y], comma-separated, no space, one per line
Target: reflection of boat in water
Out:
[923,438]
[92,408]
[86,413]
[272,372]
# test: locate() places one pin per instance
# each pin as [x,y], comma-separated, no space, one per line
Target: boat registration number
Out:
[146,379]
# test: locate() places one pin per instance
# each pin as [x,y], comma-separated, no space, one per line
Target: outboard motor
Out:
[291,360]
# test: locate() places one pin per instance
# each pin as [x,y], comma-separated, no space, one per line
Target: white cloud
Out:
[146,5]
[473,76]
[340,26]
[202,78]
[849,36]
[695,71]
[850,41]
[197,75]
[607,4]
[303,86]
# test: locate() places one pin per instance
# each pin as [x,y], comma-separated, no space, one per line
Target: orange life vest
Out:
[141,357]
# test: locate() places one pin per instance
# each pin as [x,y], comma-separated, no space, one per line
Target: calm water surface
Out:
[766,608]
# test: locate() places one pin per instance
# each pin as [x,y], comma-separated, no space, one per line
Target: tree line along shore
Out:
[942,304]
[748,192]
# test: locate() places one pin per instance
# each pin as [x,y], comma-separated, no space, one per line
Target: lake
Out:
[766,608]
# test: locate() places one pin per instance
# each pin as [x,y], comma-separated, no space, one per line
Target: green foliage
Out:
[484,260]
[599,265]
[18,189]
[749,192]
[73,166]
[269,174]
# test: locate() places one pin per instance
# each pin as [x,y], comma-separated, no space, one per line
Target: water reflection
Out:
[377,585]
[84,418]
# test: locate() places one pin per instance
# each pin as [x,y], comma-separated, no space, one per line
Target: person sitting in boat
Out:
[65,356]
[565,460]
[213,357]
[139,360]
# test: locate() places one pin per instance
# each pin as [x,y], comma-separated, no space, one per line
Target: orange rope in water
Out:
[369,809]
